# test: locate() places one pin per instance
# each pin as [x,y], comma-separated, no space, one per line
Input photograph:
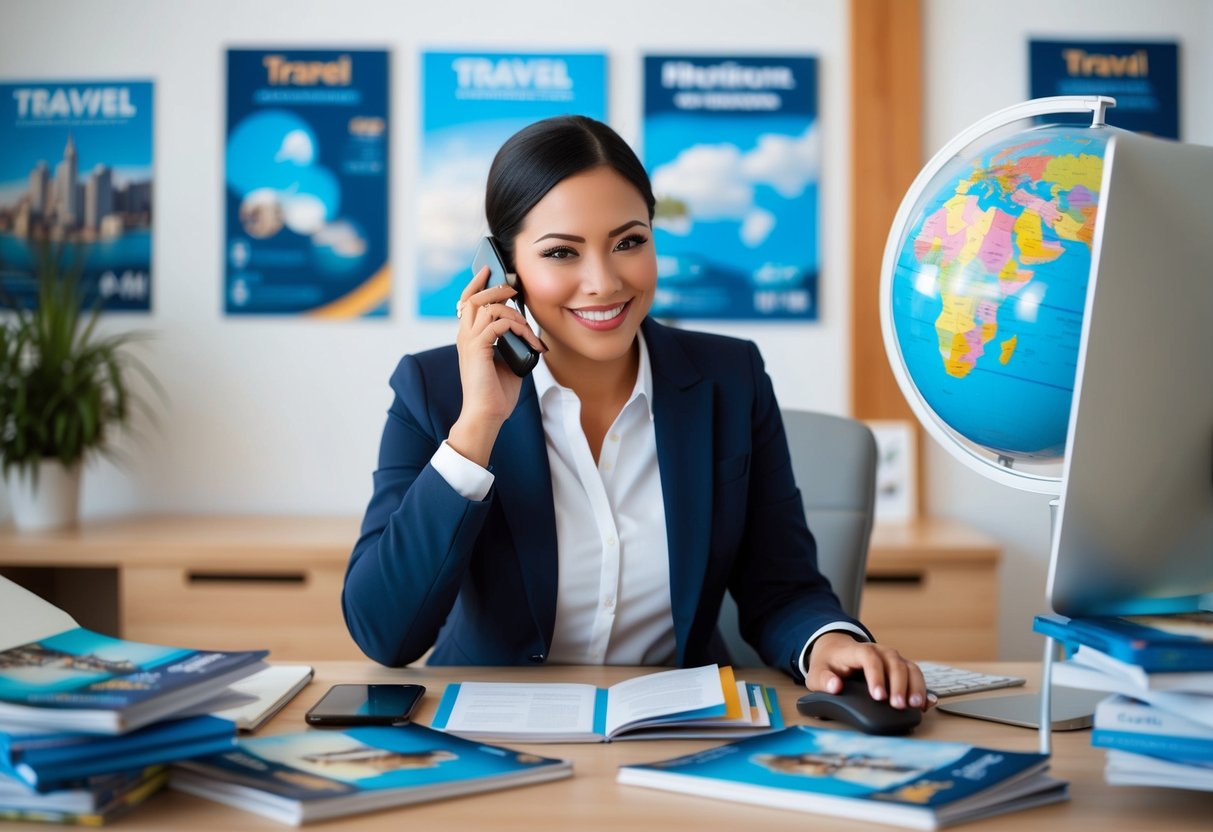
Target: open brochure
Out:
[921,784]
[56,675]
[312,775]
[699,701]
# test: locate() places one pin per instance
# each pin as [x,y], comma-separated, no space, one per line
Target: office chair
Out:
[834,462]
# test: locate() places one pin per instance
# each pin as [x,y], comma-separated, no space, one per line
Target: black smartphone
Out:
[366,705]
[518,355]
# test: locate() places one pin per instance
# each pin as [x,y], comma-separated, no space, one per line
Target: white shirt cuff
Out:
[843,626]
[467,478]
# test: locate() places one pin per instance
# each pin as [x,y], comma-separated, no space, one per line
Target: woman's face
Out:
[586,262]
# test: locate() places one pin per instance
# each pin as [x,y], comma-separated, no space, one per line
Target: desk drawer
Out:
[295,613]
[944,613]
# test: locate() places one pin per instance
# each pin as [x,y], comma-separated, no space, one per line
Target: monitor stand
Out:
[1070,709]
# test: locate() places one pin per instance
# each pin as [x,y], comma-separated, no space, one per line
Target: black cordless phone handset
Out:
[520,356]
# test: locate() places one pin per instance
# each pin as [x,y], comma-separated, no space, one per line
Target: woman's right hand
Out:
[490,388]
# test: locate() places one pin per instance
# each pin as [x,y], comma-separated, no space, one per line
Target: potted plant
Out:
[64,389]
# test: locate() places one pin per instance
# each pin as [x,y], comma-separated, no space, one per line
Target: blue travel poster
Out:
[473,103]
[733,147]
[1143,77]
[306,193]
[76,187]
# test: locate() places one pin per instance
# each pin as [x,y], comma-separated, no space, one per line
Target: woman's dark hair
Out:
[542,155]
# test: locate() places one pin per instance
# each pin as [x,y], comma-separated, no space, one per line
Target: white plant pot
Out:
[54,503]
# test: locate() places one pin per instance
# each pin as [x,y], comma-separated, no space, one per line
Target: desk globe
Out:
[984,283]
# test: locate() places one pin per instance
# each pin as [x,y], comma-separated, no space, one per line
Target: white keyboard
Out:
[945,680]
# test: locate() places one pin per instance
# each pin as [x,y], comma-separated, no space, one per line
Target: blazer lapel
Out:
[523,487]
[682,411]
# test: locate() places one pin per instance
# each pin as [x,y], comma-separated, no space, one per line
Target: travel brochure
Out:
[921,784]
[312,775]
[1157,724]
[78,680]
[685,703]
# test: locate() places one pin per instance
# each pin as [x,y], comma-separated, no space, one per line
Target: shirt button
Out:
[610,541]
[606,466]
[609,603]
[614,437]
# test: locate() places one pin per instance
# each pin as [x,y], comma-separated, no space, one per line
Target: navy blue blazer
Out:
[476,580]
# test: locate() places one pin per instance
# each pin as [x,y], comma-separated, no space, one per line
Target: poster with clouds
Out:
[474,101]
[306,191]
[76,181]
[734,151]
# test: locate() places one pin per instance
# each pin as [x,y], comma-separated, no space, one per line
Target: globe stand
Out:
[1055,708]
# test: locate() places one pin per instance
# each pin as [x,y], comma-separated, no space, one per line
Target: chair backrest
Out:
[834,462]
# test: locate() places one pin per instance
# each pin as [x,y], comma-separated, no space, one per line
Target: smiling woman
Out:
[581,494]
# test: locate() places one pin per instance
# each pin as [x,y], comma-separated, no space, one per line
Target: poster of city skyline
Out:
[76,179]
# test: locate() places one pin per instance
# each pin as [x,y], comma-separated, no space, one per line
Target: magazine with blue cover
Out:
[1155,643]
[48,761]
[1128,724]
[311,775]
[59,676]
[921,784]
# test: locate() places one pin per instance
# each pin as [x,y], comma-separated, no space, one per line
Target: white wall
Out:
[977,63]
[270,415]
[273,415]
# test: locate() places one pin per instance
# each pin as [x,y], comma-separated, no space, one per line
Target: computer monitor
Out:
[1133,532]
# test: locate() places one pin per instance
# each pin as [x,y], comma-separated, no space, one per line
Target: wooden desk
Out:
[591,800]
[224,582]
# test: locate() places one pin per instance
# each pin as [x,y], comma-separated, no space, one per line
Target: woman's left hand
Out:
[837,655]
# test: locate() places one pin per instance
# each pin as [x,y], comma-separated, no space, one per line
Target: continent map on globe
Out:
[990,285]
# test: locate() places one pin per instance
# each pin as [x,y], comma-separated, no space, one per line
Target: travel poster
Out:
[733,147]
[306,191]
[1143,77]
[473,102]
[76,187]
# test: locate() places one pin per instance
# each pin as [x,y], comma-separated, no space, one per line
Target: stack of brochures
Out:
[87,721]
[688,703]
[1157,725]
[921,784]
[313,775]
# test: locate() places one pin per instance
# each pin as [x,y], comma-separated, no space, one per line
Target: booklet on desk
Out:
[1155,643]
[56,675]
[1128,724]
[921,784]
[91,802]
[688,702]
[312,775]
[269,690]
[49,761]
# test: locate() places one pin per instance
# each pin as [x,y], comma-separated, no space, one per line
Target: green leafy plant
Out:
[64,388]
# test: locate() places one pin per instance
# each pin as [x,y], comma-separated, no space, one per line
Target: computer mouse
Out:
[854,706]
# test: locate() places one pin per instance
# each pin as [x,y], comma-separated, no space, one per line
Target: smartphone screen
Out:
[366,705]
